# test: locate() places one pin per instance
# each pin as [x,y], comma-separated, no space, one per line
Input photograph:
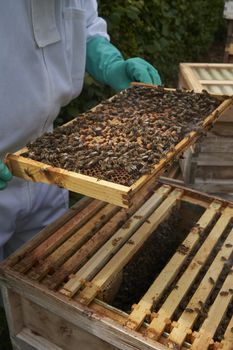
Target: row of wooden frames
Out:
[82,252]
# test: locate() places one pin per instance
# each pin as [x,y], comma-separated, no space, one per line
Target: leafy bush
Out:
[165,32]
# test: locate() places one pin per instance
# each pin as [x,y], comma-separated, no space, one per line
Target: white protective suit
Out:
[42,60]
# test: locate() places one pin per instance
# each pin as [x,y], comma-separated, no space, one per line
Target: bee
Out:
[197,310]
[110,172]
[211,280]
[138,216]
[201,303]
[228,245]
[189,310]
[130,241]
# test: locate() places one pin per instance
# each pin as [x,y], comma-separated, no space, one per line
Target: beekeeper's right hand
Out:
[5,175]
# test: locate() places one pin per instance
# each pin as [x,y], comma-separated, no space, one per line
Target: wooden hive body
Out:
[208,165]
[59,288]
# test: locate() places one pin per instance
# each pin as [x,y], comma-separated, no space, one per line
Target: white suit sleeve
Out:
[96,26]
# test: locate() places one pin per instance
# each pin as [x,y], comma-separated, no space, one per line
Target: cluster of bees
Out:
[125,136]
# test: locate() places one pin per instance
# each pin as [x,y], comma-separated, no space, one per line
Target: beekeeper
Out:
[46,45]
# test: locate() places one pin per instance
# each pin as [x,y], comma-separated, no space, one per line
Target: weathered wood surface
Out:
[166,311]
[216,313]
[214,77]
[81,256]
[184,324]
[98,261]
[41,317]
[87,319]
[59,237]
[143,308]
[122,257]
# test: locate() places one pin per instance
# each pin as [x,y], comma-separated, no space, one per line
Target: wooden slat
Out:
[123,256]
[218,144]
[224,128]
[227,73]
[227,342]
[216,313]
[143,308]
[58,237]
[195,201]
[26,339]
[185,322]
[58,331]
[227,89]
[216,79]
[212,185]
[95,319]
[204,73]
[72,244]
[46,232]
[209,65]
[191,78]
[216,82]
[32,170]
[99,324]
[216,74]
[207,159]
[214,172]
[194,196]
[94,265]
[88,249]
[13,310]
[216,89]
[166,311]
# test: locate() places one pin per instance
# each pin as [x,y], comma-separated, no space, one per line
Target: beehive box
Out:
[121,136]
[216,78]
[156,276]
[208,165]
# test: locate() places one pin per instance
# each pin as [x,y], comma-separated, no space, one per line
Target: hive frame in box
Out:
[61,318]
[100,189]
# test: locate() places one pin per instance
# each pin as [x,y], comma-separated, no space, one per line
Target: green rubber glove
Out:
[5,175]
[106,64]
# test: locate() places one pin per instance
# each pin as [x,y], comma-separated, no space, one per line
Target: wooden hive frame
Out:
[107,191]
[216,78]
[53,286]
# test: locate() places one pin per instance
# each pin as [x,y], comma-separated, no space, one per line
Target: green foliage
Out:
[164,32]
